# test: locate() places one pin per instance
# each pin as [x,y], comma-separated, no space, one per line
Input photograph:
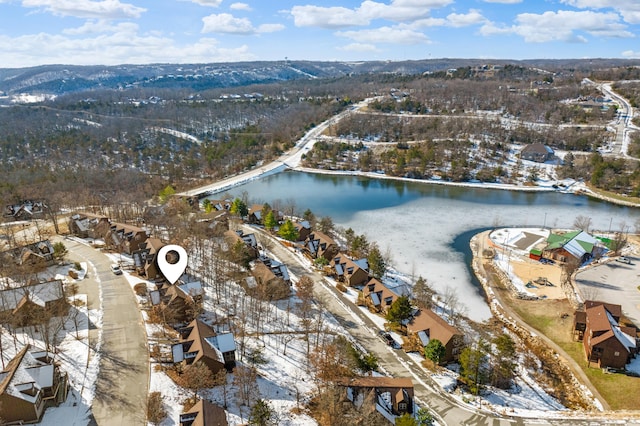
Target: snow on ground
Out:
[634,365]
[74,354]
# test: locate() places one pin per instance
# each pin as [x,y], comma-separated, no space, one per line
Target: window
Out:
[402,406]
[616,353]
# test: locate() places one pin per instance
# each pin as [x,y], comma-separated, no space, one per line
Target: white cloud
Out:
[214,3]
[342,17]
[503,1]
[359,47]
[106,9]
[465,19]
[391,35]
[240,6]
[101,26]
[631,54]
[629,9]
[111,49]
[561,26]
[228,24]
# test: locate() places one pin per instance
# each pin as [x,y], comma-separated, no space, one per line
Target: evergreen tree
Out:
[406,420]
[473,367]
[377,262]
[503,363]
[262,414]
[239,208]
[288,231]
[435,351]
[400,310]
[270,221]
[423,293]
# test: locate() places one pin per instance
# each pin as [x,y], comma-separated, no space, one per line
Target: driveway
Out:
[614,282]
[123,379]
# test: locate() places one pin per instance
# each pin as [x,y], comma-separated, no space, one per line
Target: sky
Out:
[111,32]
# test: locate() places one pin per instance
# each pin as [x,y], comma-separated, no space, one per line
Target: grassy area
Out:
[620,391]
[614,195]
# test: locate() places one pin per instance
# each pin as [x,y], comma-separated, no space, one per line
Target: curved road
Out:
[398,364]
[123,379]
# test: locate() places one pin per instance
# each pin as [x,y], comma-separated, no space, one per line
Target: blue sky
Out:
[86,32]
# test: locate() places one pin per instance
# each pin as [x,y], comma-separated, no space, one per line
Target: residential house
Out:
[427,325]
[270,282]
[319,245]
[575,245]
[536,152]
[89,225]
[29,384]
[377,296]
[351,272]
[279,269]
[232,237]
[125,238]
[392,396]
[255,214]
[178,306]
[200,342]
[26,210]
[606,343]
[144,259]
[33,304]
[34,254]
[218,221]
[221,205]
[304,229]
[204,413]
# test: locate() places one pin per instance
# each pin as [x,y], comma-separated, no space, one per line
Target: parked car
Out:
[624,259]
[389,339]
[115,268]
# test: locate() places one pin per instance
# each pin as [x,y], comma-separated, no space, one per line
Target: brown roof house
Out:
[605,342]
[304,229]
[125,238]
[351,272]
[319,245]
[29,384]
[35,254]
[232,237]
[26,210]
[269,280]
[378,297]
[33,304]
[536,152]
[392,396]
[200,342]
[427,325]
[204,413]
[144,259]
[89,225]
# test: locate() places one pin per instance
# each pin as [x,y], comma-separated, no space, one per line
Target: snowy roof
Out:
[628,341]
[193,288]
[39,294]
[25,376]
[577,243]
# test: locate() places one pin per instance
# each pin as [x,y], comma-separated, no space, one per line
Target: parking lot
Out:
[614,282]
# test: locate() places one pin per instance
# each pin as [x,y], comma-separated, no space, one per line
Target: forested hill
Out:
[61,79]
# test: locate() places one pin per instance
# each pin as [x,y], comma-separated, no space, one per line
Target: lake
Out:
[426,227]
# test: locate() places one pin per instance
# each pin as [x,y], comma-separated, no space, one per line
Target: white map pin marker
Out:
[172,271]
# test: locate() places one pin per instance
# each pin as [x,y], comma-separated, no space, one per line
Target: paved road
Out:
[123,380]
[613,282]
[398,364]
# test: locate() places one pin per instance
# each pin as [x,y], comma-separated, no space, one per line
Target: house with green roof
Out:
[574,245]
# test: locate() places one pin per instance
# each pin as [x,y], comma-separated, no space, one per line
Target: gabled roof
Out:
[600,320]
[204,413]
[345,266]
[24,374]
[379,293]
[39,294]
[434,326]
[206,342]
[577,243]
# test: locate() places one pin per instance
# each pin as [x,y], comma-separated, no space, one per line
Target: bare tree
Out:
[245,378]
[582,222]
[197,376]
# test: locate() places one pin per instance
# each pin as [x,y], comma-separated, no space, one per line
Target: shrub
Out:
[155,410]
[140,289]
[341,287]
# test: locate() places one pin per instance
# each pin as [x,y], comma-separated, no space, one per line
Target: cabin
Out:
[536,152]
[576,246]
[29,384]
[392,396]
[350,272]
[33,304]
[88,225]
[200,342]
[319,245]
[377,297]
[144,259]
[606,343]
[125,238]
[204,413]
[427,325]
